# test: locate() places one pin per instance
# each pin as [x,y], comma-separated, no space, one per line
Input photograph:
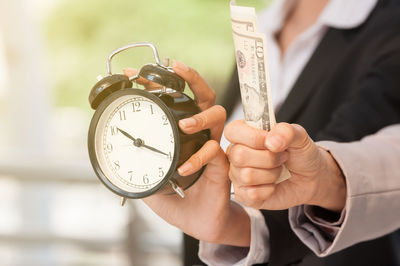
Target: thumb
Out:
[287,136]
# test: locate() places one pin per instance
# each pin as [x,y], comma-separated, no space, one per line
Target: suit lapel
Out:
[318,67]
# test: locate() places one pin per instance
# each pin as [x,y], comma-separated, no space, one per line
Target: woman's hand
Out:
[206,212]
[256,158]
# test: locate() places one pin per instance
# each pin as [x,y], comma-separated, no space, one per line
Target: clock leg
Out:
[123,200]
[177,188]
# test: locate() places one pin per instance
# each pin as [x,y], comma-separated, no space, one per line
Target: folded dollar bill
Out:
[252,65]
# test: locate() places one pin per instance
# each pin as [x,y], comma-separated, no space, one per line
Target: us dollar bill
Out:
[252,65]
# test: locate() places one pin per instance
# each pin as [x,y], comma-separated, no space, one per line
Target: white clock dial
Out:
[134,143]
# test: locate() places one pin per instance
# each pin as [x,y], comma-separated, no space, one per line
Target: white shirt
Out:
[284,71]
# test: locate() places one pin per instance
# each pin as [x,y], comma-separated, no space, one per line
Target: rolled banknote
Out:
[252,65]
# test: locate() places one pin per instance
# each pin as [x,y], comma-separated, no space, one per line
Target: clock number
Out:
[130,175]
[109,148]
[116,165]
[114,130]
[172,137]
[136,106]
[160,172]
[165,120]
[145,179]
[151,109]
[122,115]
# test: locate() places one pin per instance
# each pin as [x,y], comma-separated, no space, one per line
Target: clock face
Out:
[134,143]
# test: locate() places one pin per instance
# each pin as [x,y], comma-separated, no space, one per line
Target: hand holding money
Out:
[252,65]
[316,178]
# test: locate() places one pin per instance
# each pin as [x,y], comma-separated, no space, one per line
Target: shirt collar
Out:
[340,14]
[346,14]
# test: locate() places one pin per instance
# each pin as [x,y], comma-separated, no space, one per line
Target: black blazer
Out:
[350,88]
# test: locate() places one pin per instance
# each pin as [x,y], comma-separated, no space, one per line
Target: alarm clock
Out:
[134,141]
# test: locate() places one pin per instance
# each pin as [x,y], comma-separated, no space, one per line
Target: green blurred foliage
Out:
[81,34]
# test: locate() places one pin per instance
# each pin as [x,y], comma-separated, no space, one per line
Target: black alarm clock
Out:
[134,141]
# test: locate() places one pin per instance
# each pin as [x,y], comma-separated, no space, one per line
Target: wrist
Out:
[237,231]
[331,189]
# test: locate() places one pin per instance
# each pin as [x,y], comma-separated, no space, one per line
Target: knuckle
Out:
[246,176]
[210,149]
[283,126]
[230,130]
[213,145]
[194,76]
[197,161]
[305,139]
[221,110]
[237,155]
[288,131]
[259,139]
[202,120]
[253,195]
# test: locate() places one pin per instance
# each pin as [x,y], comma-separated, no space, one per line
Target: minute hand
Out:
[153,149]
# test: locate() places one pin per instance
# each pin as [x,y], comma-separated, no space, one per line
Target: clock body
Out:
[135,144]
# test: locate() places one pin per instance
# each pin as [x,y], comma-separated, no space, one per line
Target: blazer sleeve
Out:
[371,168]
[373,104]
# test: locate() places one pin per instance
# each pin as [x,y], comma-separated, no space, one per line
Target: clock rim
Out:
[91,143]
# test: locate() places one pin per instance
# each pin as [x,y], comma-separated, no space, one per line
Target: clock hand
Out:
[139,142]
[153,149]
[126,134]
[136,141]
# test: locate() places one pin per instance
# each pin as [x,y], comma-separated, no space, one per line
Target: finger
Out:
[284,136]
[149,85]
[243,156]
[213,118]
[253,176]
[204,95]
[239,132]
[130,72]
[241,197]
[211,153]
[254,196]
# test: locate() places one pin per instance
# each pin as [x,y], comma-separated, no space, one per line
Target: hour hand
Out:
[126,134]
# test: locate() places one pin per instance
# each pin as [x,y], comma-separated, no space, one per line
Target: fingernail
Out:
[274,142]
[184,168]
[180,65]
[187,122]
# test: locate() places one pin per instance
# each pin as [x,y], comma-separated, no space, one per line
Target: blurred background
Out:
[53,209]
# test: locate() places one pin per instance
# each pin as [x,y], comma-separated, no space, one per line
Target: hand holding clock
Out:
[206,212]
